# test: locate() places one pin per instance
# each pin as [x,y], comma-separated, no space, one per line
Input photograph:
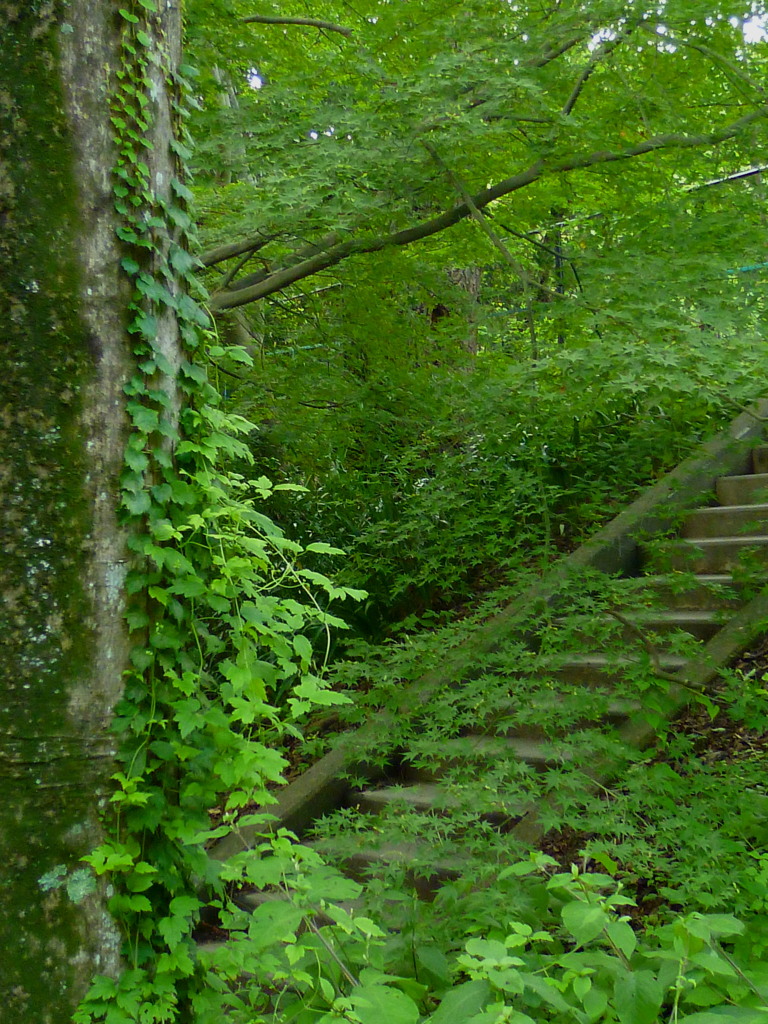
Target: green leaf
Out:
[622,936]
[706,925]
[375,1004]
[303,648]
[585,921]
[144,419]
[321,548]
[138,503]
[637,997]
[190,310]
[181,190]
[462,1002]
[181,260]
[726,1015]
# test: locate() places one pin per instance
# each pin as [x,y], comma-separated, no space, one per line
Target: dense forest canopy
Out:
[458,237]
[376,309]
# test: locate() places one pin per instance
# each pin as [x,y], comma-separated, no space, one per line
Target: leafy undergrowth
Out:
[646,902]
[652,910]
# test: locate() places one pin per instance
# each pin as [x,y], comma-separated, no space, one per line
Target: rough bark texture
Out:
[66,357]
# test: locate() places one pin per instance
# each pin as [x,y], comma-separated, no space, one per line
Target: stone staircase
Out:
[690,601]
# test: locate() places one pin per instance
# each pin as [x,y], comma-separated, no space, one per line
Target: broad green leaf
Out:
[637,997]
[375,1004]
[622,936]
[459,1004]
[727,1015]
[585,921]
[434,960]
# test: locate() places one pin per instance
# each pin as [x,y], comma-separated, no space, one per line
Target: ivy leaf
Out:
[138,503]
[190,310]
[181,190]
[181,260]
[144,419]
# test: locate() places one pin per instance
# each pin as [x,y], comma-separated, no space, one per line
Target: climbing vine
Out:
[228,652]
[225,621]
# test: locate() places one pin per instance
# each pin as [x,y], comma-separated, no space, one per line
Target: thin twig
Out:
[342,966]
[230,275]
[650,648]
[481,221]
[717,948]
[598,57]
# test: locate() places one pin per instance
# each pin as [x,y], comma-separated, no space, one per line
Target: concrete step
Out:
[726,521]
[705,591]
[481,751]
[424,872]
[601,631]
[709,554]
[437,799]
[701,623]
[426,796]
[742,490]
[603,670]
[507,721]
[760,459]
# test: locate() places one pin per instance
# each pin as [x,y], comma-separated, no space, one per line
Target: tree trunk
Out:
[67,355]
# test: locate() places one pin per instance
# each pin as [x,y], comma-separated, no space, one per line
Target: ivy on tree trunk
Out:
[62,433]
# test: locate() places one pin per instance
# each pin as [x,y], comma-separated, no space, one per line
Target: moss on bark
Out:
[55,748]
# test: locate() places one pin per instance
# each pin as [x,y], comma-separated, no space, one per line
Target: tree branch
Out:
[307,250]
[263,19]
[226,252]
[478,217]
[495,241]
[284,276]
[603,51]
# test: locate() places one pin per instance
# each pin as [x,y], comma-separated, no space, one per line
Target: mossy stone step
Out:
[701,623]
[726,521]
[606,670]
[425,873]
[709,554]
[437,799]
[703,591]
[480,751]
[749,489]
[507,720]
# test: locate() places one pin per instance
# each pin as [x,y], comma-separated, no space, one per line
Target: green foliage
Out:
[581,960]
[219,611]
[445,481]
[449,439]
[445,452]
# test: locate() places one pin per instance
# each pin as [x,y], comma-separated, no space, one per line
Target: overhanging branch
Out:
[284,276]
[263,19]
[226,252]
